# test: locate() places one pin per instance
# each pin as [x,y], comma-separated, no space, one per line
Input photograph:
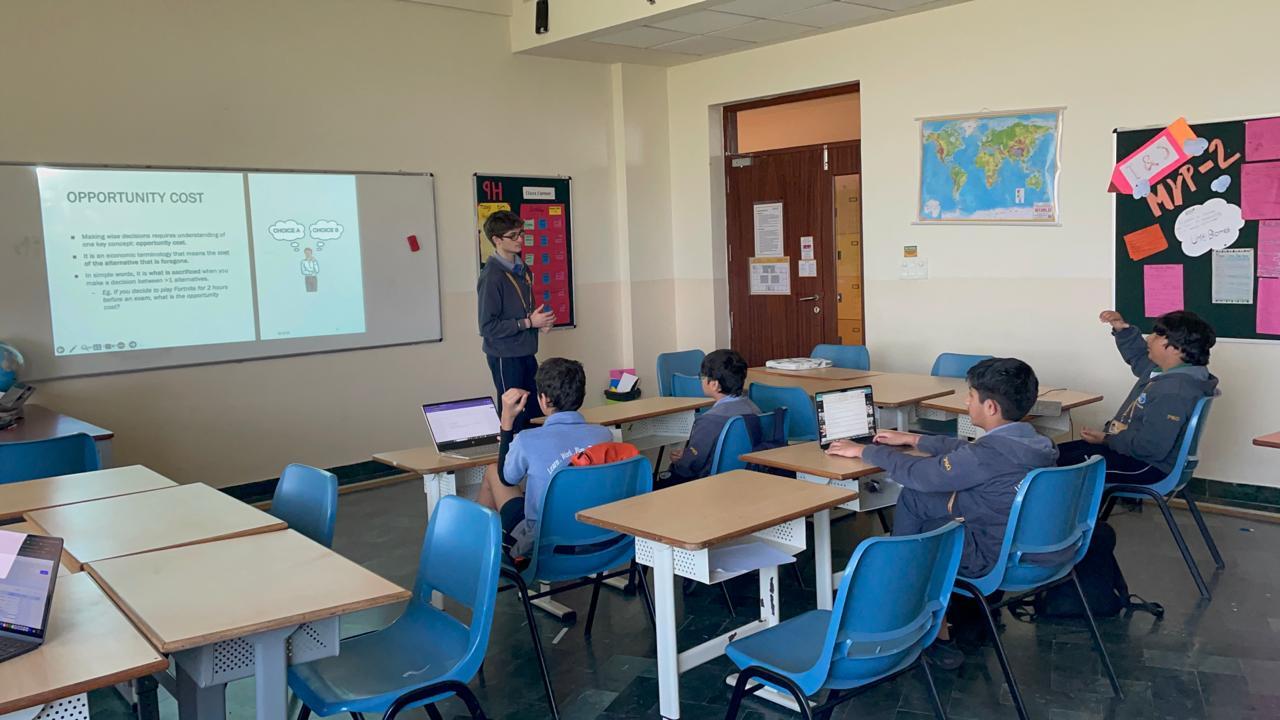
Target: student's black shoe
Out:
[944,654]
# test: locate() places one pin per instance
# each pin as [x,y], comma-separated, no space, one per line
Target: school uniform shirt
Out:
[536,454]
[1158,406]
[701,448]
[984,476]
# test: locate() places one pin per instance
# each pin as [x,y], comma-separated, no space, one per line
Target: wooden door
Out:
[765,327]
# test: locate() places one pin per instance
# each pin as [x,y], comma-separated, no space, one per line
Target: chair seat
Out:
[372,670]
[789,648]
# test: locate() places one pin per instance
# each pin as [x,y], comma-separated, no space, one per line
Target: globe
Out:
[10,365]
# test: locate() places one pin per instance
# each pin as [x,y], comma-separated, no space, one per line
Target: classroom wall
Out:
[1030,292]
[403,86]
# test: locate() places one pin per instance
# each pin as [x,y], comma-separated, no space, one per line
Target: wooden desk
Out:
[90,645]
[41,423]
[144,522]
[260,588]
[895,394]
[1051,413]
[20,497]
[676,529]
[648,423]
[828,373]
[1271,441]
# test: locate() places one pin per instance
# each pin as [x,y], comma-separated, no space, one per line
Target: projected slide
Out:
[306,253]
[142,259]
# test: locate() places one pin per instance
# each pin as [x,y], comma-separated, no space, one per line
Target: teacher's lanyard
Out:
[526,303]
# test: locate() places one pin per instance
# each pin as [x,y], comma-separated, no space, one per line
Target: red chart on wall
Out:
[544,205]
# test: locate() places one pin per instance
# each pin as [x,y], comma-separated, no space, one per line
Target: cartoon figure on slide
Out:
[310,269]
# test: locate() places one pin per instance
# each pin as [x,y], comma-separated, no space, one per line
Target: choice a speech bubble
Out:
[287,230]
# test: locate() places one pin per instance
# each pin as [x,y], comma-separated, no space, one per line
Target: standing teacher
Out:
[510,321]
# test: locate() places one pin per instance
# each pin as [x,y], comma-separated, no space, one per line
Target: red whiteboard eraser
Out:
[413,243]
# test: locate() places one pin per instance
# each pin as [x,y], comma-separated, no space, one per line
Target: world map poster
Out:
[990,168]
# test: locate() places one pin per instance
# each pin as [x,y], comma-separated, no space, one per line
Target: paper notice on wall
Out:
[806,248]
[807,268]
[770,276]
[1233,277]
[1260,190]
[768,225]
[1145,242]
[1268,306]
[914,269]
[1262,139]
[1162,289]
[1269,248]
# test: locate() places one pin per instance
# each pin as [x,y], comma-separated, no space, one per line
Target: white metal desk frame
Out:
[668,561]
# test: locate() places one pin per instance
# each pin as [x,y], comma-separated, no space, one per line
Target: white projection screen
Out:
[115,269]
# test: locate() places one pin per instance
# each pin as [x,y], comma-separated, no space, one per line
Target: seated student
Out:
[1140,444]
[972,483]
[723,373]
[534,455]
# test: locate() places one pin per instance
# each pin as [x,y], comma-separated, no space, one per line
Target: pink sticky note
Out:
[1269,306]
[1260,191]
[1269,248]
[1262,140]
[1162,289]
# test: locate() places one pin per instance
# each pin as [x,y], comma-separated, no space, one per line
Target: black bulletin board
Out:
[1188,186]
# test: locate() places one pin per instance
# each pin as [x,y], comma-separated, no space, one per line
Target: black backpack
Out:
[1103,584]
[768,431]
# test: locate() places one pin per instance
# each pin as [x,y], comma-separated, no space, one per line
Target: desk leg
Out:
[436,486]
[902,418]
[148,700]
[270,673]
[197,703]
[822,558]
[769,595]
[104,452]
[664,590]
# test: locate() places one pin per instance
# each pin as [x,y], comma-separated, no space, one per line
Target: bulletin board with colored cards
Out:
[1197,225]
[545,206]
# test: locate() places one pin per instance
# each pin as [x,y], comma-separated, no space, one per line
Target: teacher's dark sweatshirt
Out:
[505,295]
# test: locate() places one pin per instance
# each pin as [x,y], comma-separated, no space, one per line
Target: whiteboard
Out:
[401,286]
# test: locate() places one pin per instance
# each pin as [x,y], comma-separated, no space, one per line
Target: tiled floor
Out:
[1214,660]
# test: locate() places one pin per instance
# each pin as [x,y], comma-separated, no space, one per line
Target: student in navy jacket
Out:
[724,373]
[1140,444]
[973,483]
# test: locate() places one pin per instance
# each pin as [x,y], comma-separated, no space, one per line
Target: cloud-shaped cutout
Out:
[1221,183]
[287,230]
[1213,225]
[325,230]
[1195,146]
[1141,189]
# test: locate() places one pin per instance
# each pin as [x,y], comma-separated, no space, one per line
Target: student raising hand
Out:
[513,401]
[1114,319]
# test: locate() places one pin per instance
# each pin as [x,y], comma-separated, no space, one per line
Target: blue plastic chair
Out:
[735,441]
[802,418]
[685,362]
[955,365]
[306,498]
[890,605]
[1050,526]
[852,357]
[1175,484]
[688,386]
[47,458]
[568,550]
[426,655]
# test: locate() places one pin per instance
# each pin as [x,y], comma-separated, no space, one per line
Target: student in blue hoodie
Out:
[1140,444]
[724,373]
[973,483]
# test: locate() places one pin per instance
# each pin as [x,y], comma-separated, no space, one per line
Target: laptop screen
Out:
[463,422]
[26,585]
[847,414]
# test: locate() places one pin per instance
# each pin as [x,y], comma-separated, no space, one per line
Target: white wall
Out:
[1030,292]
[230,83]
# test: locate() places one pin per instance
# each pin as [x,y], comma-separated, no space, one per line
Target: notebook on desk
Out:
[846,414]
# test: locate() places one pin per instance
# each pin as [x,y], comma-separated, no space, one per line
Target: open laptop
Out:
[464,428]
[846,414]
[28,570]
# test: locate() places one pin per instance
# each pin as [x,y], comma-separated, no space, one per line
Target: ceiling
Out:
[725,26]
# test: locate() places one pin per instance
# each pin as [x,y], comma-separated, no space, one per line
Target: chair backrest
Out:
[47,458]
[689,386]
[802,418]
[955,365]
[461,558]
[1050,526]
[566,549]
[307,499]
[737,439]
[1188,450]
[889,607]
[685,362]
[852,357]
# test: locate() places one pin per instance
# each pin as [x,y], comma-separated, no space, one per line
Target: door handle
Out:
[813,298]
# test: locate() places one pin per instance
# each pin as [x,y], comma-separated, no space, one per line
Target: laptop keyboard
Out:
[10,647]
[475,452]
